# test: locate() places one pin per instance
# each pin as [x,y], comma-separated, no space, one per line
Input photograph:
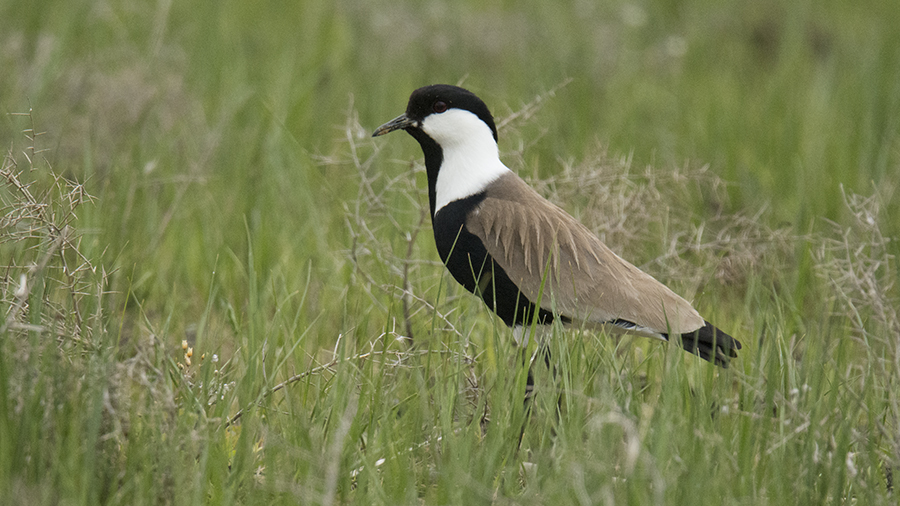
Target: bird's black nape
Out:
[422,103]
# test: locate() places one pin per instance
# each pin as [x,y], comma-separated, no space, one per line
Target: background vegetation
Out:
[201,171]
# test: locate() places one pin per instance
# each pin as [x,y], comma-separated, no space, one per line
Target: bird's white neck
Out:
[471,160]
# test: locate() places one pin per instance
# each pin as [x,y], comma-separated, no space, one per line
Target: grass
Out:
[202,172]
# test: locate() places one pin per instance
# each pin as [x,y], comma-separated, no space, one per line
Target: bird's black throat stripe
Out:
[470,264]
[434,157]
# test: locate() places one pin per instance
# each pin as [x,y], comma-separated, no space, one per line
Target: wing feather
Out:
[586,280]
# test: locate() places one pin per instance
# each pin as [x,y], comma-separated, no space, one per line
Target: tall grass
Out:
[218,289]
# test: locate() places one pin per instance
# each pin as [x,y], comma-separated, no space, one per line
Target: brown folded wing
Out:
[586,281]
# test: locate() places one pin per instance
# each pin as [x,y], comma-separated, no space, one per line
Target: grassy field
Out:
[218,289]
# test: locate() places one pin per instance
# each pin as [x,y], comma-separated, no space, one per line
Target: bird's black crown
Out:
[425,101]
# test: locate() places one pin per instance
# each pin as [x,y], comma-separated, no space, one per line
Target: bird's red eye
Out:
[439,106]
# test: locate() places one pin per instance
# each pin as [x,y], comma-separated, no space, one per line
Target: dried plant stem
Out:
[401,356]
[407,288]
[24,290]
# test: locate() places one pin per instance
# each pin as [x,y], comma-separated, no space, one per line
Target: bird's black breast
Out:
[470,264]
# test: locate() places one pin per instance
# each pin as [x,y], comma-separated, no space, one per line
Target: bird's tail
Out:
[711,344]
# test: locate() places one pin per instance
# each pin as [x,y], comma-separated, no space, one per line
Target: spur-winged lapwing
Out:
[522,254]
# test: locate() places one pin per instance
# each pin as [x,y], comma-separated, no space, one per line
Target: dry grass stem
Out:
[859,268]
[39,208]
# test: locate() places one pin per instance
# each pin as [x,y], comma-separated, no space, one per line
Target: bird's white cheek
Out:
[457,127]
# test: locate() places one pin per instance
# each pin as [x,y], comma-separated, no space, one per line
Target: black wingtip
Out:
[711,344]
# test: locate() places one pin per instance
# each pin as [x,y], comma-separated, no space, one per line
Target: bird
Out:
[530,261]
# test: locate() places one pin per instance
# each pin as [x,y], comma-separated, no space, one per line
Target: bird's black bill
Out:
[399,123]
